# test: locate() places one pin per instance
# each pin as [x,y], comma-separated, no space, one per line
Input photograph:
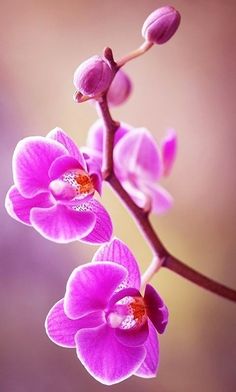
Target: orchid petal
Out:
[135,192]
[95,135]
[150,364]
[104,357]
[161,200]
[120,89]
[157,310]
[19,207]
[134,337]
[102,230]
[61,330]
[32,159]
[89,153]
[123,293]
[94,170]
[97,182]
[145,193]
[61,165]
[62,224]
[90,287]
[169,150]
[117,252]
[61,137]
[141,155]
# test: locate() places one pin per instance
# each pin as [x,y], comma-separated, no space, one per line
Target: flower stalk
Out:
[136,53]
[142,218]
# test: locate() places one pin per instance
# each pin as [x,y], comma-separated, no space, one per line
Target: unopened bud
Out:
[93,76]
[120,89]
[161,24]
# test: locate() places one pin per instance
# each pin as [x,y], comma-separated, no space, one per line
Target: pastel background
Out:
[189,84]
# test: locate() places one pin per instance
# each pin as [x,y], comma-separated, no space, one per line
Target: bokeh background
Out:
[189,84]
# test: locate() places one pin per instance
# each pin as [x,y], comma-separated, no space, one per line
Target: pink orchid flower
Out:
[104,316]
[139,163]
[53,190]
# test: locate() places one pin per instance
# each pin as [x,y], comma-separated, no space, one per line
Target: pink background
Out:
[188,84]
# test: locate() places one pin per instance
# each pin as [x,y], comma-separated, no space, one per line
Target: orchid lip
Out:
[62,190]
[128,312]
[80,181]
[72,186]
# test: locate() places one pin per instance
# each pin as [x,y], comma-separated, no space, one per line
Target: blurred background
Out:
[188,84]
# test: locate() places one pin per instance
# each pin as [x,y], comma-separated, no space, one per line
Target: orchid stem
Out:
[111,126]
[165,259]
[136,53]
[152,269]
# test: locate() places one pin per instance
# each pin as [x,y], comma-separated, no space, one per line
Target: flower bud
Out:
[120,89]
[93,76]
[161,24]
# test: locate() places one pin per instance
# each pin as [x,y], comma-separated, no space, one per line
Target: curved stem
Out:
[140,216]
[136,53]
[152,269]
[196,277]
[142,219]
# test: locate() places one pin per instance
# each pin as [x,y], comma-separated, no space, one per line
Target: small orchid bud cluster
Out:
[97,75]
[109,313]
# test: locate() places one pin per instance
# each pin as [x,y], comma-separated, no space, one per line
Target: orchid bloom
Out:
[104,316]
[138,163]
[53,190]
